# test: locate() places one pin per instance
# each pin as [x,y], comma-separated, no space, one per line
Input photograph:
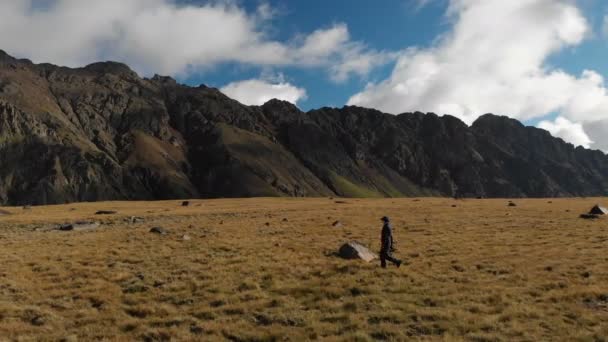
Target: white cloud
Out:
[165,37]
[494,61]
[355,59]
[257,92]
[334,48]
[598,128]
[567,130]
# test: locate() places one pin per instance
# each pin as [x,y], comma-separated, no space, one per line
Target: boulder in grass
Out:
[66,227]
[79,226]
[355,250]
[598,210]
[134,219]
[159,231]
[105,212]
[84,225]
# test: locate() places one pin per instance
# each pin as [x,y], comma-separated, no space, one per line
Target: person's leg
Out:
[383,259]
[393,260]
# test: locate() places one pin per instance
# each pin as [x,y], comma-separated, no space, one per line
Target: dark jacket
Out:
[387,237]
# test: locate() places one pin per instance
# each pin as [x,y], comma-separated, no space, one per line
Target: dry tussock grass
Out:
[264,270]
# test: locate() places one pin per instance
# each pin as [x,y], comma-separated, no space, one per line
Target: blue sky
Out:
[539,61]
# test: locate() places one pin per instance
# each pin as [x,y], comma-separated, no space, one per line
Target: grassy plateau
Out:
[266,270]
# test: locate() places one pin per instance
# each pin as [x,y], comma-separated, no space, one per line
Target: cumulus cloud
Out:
[343,57]
[494,61]
[256,92]
[598,129]
[167,37]
[567,130]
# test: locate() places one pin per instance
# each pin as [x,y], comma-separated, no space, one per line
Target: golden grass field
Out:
[265,270]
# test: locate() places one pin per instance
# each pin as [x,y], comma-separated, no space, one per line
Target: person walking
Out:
[387,244]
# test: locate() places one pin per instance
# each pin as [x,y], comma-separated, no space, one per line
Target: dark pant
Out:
[386,255]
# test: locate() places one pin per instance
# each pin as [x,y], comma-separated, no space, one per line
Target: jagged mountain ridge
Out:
[103,133]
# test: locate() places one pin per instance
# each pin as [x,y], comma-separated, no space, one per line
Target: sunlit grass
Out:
[265,269]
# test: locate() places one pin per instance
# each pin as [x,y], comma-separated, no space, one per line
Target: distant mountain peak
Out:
[110,67]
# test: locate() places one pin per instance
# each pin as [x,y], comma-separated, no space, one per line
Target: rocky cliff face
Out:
[103,133]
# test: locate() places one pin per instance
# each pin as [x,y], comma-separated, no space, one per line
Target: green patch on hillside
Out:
[391,184]
[266,168]
[346,188]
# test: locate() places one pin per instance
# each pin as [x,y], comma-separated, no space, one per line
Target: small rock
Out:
[80,226]
[337,224]
[185,203]
[105,212]
[511,204]
[586,274]
[135,219]
[285,220]
[66,227]
[186,237]
[458,268]
[38,321]
[159,230]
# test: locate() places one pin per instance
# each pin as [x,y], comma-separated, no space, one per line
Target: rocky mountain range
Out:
[104,133]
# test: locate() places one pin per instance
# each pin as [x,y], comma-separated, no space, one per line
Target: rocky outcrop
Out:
[103,133]
[355,250]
